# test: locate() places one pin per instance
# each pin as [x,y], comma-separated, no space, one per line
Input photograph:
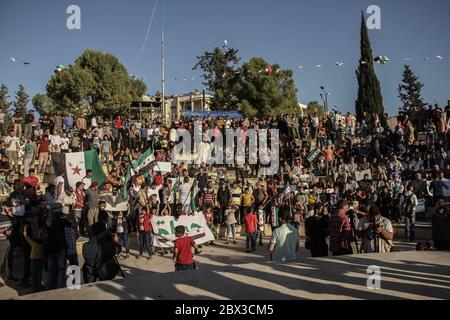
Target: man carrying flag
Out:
[141,165]
[74,166]
[193,191]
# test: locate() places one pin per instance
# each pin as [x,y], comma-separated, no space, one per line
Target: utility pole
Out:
[163,98]
[325,98]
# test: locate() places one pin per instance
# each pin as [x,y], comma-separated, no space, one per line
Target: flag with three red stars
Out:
[75,165]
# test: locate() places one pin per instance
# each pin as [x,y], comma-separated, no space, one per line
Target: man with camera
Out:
[376,232]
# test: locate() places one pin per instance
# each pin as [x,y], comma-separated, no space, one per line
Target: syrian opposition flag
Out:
[141,165]
[313,154]
[75,165]
[144,163]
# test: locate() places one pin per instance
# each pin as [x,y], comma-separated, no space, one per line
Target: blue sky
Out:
[289,33]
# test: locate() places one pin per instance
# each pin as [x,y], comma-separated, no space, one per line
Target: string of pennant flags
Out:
[378,60]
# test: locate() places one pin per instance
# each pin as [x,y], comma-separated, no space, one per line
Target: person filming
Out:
[376,232]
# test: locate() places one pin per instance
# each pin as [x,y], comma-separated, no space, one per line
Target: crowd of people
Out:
[364,177]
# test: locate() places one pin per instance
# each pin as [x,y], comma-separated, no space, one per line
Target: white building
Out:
[194,101]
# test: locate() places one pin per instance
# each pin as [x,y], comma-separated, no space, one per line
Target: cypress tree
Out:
[410,91]
[369,100]
[20,104]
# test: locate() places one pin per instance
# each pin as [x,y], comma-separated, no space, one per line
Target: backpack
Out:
[408,206]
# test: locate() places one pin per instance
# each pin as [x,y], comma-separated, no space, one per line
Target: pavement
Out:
[226,271]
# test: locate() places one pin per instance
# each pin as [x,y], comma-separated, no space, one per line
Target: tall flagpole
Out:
[163,109]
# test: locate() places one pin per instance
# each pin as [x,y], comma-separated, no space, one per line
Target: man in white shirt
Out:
[59,187]
[87,180]
[284,242]
[65,143]
[55,142]
[203,152]
[12,148]
[184,193]
[138,125]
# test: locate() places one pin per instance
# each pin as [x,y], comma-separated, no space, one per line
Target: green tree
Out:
[97,83]
[369,100]
[410,91]
[43,105]
[315,107]
[220,73]
[20,103]
[5,105]
[264,93]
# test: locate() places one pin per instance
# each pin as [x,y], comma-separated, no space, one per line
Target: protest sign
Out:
[115,204]
[163,167]
[164,229]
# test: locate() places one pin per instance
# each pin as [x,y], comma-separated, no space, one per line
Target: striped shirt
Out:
[5,223]
[208,197]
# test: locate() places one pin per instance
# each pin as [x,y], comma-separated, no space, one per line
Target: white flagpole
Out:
[163,100]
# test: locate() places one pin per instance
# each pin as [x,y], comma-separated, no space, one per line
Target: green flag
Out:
[142,164]
[76,164]
[125,184]
[193,192]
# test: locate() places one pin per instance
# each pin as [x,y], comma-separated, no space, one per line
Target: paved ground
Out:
[404,275]
[228,272]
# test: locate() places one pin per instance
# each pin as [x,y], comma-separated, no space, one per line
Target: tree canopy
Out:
[266,93]
[97,83]
[315,107]
[220,71]
[257,88]
[43,104]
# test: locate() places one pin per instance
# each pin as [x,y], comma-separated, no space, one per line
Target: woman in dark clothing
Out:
[316,230]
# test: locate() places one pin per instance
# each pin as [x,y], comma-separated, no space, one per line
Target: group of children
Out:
[253,222]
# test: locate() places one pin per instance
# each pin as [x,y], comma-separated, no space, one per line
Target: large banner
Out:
[164,229]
